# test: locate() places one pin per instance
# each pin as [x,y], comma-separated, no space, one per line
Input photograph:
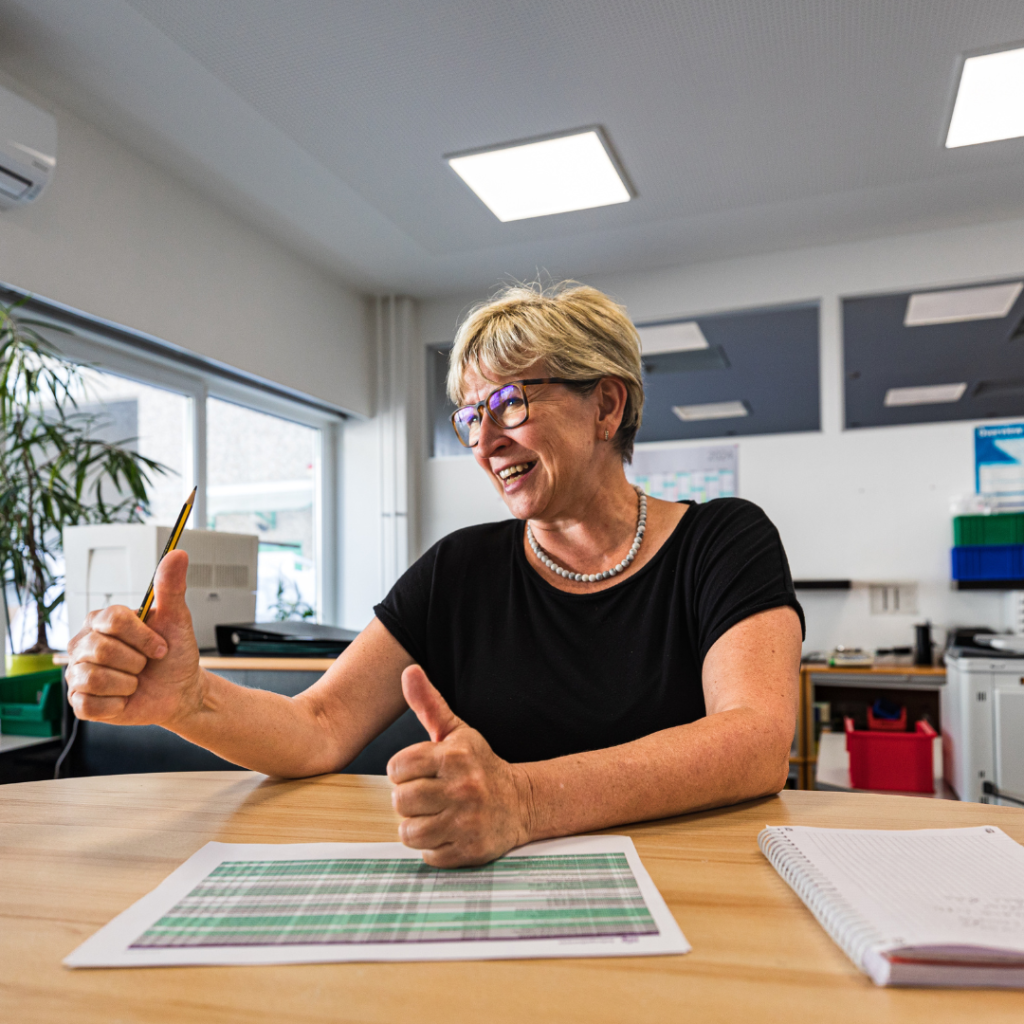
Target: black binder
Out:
[282,640]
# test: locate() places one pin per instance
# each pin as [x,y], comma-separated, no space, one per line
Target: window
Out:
[261,478]
[153,421]
[264,459]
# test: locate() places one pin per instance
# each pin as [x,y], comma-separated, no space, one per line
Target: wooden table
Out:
[77,852]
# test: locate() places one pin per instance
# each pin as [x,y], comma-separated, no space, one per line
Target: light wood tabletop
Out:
[75,853]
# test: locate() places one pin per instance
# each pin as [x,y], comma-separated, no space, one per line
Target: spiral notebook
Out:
[941,907]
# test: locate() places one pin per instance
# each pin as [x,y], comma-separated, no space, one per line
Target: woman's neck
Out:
[595,528]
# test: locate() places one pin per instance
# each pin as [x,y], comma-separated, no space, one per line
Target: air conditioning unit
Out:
[28,150]
[112,564]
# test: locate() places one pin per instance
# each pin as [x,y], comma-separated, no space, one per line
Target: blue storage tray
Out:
[989,562]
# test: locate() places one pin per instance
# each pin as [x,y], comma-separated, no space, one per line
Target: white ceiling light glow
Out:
[958,305]
[928,394]
[711,411]
[536,179]
[990,100]
[676,337]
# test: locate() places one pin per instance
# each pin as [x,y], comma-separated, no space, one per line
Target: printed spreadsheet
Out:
[232,903]
[255,903]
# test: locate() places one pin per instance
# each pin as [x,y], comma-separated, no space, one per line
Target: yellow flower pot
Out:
[22,664]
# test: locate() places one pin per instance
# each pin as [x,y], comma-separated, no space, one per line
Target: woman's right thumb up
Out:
[169,586]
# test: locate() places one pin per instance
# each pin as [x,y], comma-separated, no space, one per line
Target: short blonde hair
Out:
[577,331]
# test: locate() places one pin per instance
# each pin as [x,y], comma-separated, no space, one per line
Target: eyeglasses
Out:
[506,407]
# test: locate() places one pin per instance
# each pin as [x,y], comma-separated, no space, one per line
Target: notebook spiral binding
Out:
[847,928]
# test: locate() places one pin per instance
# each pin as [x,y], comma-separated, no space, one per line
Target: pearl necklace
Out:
[641,526]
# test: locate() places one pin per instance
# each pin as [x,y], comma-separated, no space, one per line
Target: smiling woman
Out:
[603,657]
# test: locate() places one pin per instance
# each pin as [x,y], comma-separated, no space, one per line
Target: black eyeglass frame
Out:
[485,404]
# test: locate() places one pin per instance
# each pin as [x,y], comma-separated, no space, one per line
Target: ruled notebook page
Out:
[898,889]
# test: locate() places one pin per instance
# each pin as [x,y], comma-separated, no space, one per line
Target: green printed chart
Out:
[301,903]
[389,900]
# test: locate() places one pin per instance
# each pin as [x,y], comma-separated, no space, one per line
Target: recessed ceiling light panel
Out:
[990,100]
[957,305]
[711,411]
[536,179]
[675,337]
[928,394]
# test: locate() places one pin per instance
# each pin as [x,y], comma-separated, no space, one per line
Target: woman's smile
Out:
[512,476]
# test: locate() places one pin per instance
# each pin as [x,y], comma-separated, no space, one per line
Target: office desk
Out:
[77,852]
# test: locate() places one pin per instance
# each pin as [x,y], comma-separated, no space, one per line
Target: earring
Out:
[606,435]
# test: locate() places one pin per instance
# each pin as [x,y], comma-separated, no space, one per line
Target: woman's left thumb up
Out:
[431,708]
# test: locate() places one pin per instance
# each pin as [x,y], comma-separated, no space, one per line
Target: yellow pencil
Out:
[172,543]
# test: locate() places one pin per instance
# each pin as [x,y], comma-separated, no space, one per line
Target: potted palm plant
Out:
[54,472]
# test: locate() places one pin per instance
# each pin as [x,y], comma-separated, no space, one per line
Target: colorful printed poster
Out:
[999,460]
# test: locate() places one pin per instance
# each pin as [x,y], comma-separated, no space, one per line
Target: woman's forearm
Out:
[320,730]
[263,731]
[721,759]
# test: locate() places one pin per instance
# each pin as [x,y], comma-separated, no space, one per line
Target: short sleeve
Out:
[740,569]
[405,612]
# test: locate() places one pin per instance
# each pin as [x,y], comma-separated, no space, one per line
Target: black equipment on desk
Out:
[923,644]
[282,639]
[964,636]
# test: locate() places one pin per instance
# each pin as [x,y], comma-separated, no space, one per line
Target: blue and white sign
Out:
[999,460]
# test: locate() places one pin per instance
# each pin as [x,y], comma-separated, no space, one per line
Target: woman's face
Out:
[545,466]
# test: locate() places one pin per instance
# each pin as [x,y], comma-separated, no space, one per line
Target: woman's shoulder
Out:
[727,520]
[476,542]
[482,533]
[722,512]
[472,550]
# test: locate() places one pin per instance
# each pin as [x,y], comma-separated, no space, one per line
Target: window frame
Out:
[111,348]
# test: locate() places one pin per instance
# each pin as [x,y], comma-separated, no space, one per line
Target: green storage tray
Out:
[30,705]
[1003,528]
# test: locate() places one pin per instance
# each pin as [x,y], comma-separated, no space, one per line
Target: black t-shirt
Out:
[542,673]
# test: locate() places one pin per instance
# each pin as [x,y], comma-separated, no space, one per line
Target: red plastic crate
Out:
[899,761]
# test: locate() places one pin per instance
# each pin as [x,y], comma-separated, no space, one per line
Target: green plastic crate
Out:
[1004,528]
[30,705]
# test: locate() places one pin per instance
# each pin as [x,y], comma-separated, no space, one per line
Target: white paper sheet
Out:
[330,902]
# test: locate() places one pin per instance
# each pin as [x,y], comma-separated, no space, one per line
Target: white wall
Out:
[865,504]
[117,237]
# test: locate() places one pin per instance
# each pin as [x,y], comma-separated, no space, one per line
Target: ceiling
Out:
[879,353]
[745,125]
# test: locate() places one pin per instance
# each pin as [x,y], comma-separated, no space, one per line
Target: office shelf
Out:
[919,684]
